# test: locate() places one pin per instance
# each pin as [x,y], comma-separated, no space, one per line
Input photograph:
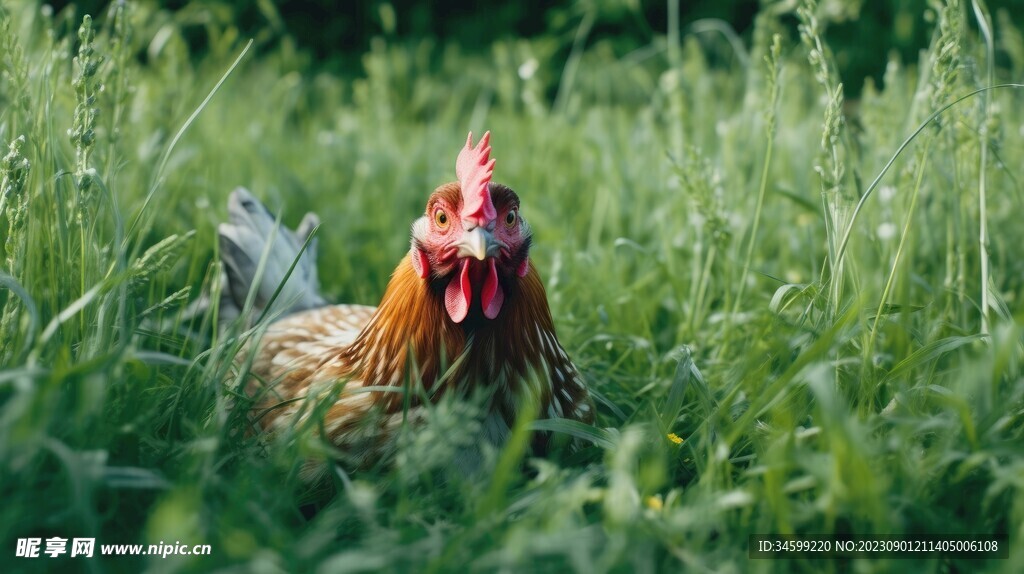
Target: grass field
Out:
[734,254]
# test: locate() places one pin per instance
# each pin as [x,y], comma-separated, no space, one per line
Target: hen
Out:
[465,310]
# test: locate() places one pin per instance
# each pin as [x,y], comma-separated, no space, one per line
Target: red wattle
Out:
[492,296]
[459,294]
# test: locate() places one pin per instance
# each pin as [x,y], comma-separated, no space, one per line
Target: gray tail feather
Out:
[243,240]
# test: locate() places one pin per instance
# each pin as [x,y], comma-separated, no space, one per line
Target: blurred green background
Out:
[863,34]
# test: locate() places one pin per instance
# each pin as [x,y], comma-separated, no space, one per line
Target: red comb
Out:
[474,172]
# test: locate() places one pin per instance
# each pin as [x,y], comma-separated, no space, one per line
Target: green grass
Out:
[833,374]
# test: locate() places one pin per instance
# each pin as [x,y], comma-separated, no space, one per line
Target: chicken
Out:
[464,311]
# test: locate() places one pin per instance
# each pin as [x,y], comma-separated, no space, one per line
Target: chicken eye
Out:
[441,218]
[510,219]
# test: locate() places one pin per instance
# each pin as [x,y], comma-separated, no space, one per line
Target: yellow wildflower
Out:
[675,438]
